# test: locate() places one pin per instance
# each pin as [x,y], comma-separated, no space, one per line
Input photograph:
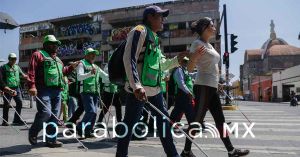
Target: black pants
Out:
[19,104]
[207,98]
[183,105]
[107,100]
[79,111]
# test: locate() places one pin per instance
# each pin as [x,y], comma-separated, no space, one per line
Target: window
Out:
[298,90]
[176,48]
[182,25]
[275,92]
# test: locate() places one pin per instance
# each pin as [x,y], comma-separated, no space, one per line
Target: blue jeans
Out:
[90,103]
[18,100]
[72,105]
[52,99]
[133,113]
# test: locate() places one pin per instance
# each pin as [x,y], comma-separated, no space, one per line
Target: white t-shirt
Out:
[207,65]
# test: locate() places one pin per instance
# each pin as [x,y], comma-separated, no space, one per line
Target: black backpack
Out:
[116,69]
[171,84]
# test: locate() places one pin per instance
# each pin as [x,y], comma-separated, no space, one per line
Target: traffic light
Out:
[226,59]
[299,36]
[233,42]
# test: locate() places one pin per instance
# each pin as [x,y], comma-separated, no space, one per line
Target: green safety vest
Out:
[12,75]
[53,70]
[187,80]
[111,88]
[151,68]
[91,85]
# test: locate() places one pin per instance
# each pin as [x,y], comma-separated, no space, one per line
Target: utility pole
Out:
[226,53]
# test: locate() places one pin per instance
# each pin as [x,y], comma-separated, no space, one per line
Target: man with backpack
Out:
[143,66]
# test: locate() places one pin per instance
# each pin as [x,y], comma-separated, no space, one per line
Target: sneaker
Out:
[5,124]
[54,144]
[238,153]
[91,135]
[187,154]
[32,139]
[19,123]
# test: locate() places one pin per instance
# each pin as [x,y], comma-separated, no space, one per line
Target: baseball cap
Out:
[91,50]
[153,9]
[52,39]
[12,55]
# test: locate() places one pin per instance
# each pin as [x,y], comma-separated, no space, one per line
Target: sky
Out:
[249,19]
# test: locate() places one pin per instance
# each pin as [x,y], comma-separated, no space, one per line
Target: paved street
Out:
[277,134]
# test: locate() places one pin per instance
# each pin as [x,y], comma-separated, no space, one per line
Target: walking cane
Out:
[237,106]
[83,146]
[180,129]
[10,125]
[108,110]
[9,102]
[149,113]
[105,121]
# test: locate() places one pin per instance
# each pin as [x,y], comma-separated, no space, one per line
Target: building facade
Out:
[105,30]
[286,81]
[275,55]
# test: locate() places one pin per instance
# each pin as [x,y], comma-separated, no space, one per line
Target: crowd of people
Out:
[77,89]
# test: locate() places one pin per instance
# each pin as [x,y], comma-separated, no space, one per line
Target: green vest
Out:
[151,68]
[91,85]
[187,80]
[53,70]
[111,88]
[163,83]
[12,75]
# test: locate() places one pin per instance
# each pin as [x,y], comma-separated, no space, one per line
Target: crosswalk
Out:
[276,130]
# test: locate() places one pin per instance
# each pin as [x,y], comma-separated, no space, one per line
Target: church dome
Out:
[276,46]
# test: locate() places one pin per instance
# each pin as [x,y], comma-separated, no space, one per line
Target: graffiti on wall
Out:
[78,29]
[76,48]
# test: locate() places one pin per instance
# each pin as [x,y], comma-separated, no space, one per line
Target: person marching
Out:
[184,94]
[89,75]
[12,74]
[110,97]
[206,60]
[4,88]
[45,81]
[143,66]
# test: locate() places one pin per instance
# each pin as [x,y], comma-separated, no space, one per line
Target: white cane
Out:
[180,129]
[9,103]
[105,121]
[83,146]
[108,110]
[10,125]
[237,106]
